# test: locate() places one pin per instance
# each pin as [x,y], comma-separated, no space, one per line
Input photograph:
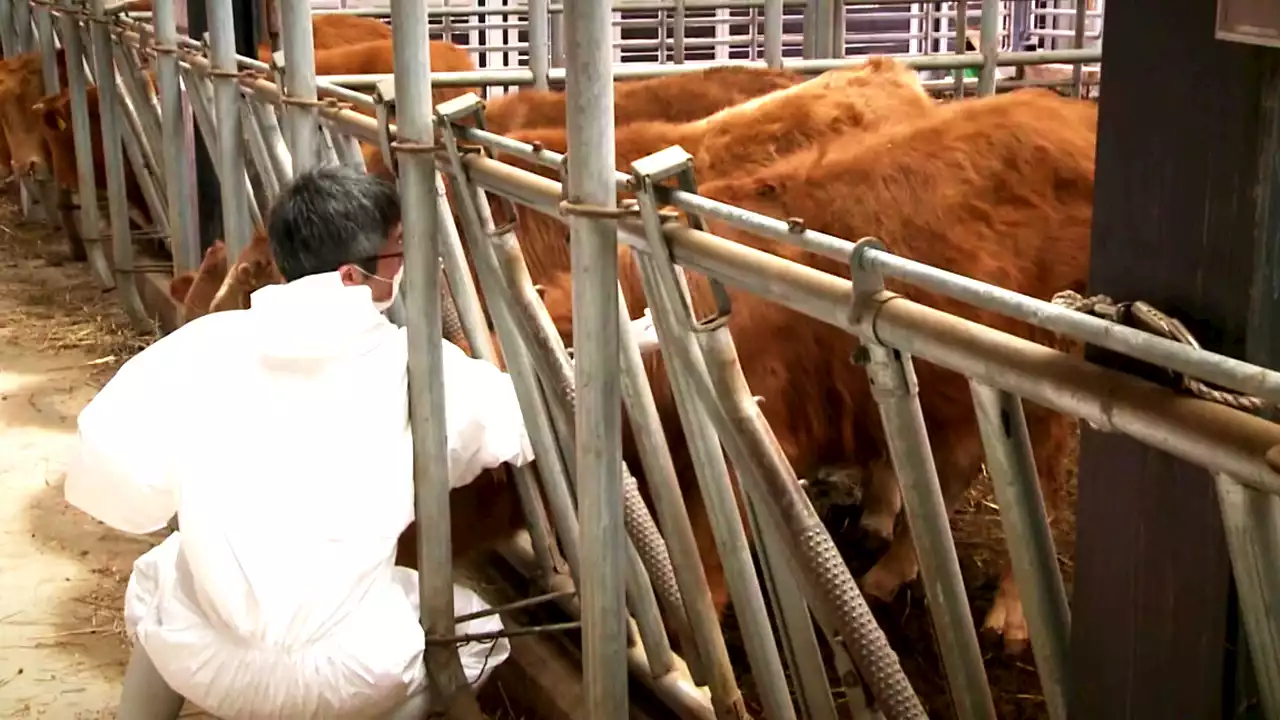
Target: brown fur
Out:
[335,31]
[55,126]
[998,189]
[21,86]
[742,138]
[672,98]
[377,57]
[195,290]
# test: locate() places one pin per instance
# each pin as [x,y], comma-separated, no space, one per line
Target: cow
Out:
[216,286]
[377,57]
[999,189]
[195,290]
[737,139]
[330,31]
[55,126]
[21,86]
[670,98]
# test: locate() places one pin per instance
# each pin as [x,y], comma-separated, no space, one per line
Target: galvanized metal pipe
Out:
[417,179]
[144,112]
[539,43]
[1012,466]
[269,184]
[773,33]
[989,39]
[961,30]
[463,302]
[22,25]
[109,109]
[90,221]
[598,417]
[236,222]
[8,37]
[1251,520]
[348,149]
[679,30]
[300,82]
[1077,70]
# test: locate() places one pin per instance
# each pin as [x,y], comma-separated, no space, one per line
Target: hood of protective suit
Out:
[313,321]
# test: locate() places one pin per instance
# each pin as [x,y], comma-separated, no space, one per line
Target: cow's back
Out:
[673,98]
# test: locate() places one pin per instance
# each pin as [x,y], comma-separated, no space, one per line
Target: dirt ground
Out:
[62,644]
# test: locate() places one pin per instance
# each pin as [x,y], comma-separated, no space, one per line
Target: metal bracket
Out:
[647,173]
[384,98]
[278,62]
[451,114]
[891,372]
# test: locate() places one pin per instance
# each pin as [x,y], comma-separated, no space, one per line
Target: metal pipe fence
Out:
[644,575]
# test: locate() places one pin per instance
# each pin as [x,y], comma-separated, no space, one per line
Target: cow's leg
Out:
[1052,440]
[957,458]
[881,502]
[70,220]
[1006,617]
[895,568]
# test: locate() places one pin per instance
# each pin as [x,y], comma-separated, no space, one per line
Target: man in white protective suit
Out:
[291,472]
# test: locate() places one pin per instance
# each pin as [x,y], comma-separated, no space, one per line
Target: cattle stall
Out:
[620,558]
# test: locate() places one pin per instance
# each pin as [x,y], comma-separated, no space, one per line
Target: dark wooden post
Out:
[1186,217]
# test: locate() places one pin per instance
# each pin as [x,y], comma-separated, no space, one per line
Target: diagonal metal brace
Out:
[647,174]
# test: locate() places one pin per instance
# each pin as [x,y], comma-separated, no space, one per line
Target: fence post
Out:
[109,110]
[226,109]
[598,416]
[299,92]
[417,181]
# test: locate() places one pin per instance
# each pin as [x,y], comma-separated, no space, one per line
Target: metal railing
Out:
[635,583]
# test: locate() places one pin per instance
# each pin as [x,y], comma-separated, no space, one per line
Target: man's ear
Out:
[351,275]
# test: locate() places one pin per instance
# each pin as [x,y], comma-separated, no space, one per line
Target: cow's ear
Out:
[181,285]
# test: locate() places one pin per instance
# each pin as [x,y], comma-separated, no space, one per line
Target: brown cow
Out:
[212,288]
[741,138]
[998,189]
[195,290]
[377,57]
[330,31]
[671,98]
[21,86]
[54,113]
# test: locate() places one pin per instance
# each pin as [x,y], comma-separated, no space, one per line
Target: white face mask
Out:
[383,305]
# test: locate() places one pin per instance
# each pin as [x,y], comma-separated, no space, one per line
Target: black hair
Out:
[329,217]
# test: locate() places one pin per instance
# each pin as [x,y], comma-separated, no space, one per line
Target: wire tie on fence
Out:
[412,146]
[517,605]
[503,633]
[596,211]
[1144,316]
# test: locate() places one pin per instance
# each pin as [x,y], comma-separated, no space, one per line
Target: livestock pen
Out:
[622,557]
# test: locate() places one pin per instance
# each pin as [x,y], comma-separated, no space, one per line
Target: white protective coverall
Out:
[280,436]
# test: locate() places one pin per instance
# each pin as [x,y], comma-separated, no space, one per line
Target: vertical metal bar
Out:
[1012,467]
[539,42]
[417,180]
[1077,70]
[961,30]
[556,31]
[1252,523]
[989,39]
[136,150]
[109,109]
[893,383]
[773,33]
[678,30]
[598,417]
[90,221]
[22,25]
[141,113]
[795,626]
[236,221]
[8,37]
[839,28]
[328,154]
[300,83]
[48,62]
